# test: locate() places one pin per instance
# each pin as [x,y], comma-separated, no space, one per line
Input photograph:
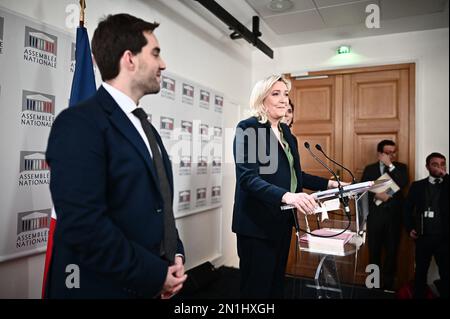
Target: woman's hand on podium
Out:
[304,202]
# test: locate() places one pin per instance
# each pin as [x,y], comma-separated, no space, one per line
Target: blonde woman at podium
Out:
[268,175]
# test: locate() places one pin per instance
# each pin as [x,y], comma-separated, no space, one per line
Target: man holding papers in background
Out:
[385,210]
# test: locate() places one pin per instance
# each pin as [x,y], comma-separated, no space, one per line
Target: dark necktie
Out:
[169,245]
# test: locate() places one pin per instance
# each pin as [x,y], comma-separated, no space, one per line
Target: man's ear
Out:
[128,61]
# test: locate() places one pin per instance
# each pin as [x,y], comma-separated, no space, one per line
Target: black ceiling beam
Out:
[236,26]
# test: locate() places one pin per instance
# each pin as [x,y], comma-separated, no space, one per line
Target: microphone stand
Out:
[319,148]
[344,200]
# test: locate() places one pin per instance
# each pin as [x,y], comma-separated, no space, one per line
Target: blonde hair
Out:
[260,91]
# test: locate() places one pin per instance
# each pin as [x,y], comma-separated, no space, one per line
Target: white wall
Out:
[191,50]
[428,49]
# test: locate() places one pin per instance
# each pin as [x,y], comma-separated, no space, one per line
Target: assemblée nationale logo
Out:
[202,165]
[187,95]
[185,165]
[38,109]
[201,197]
[218,103]
[216,164]
[215,194]
[168,87]
[166,126]
[186,130]
[204,99]
[1,34]
[217,133]
[185,161]
[166,123]
[32,228]
[40,47]
[34,170]
[184,200]
[204,131]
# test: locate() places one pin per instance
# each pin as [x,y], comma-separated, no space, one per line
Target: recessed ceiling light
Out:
[280,5]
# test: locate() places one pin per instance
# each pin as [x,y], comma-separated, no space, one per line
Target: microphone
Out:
[319,148]
[321,162]
[344,200]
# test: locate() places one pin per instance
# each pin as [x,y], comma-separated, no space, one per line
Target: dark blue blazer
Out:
[258,194]
[109,206]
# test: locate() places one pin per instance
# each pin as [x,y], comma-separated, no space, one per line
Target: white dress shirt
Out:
[127,105]
[433,180]
[391,167]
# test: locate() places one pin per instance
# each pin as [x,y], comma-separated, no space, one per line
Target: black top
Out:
[399,175]
[422,197]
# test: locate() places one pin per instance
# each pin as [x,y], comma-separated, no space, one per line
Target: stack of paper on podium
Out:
[327,245]
[390,188]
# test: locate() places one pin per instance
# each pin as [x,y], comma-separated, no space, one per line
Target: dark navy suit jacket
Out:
[399,175]
[109,207]
[416,205]
[258,194]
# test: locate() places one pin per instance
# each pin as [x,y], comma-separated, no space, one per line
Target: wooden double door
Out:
[348,112]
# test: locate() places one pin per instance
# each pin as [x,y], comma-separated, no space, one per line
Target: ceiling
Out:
[310,21]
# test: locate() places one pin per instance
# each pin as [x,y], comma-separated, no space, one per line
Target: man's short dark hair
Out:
[383,143]
[113,36]
[433,155]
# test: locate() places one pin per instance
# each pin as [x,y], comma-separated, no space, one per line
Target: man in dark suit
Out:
[111,179]
[426,213]
[385,211]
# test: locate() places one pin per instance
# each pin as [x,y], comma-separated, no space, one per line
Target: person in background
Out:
[426,213]
[268,175]
[289,116]
[111,178]
[385,211]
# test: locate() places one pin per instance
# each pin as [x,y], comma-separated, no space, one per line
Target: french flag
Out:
[83,87]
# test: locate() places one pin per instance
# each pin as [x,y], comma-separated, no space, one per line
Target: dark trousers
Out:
[426,247]
[383,233]
[262,264]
